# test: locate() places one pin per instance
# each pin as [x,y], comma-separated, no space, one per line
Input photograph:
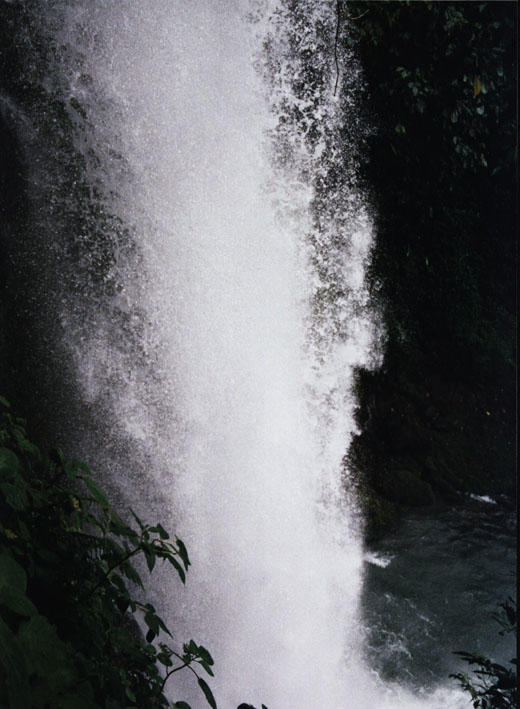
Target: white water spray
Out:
[220,346]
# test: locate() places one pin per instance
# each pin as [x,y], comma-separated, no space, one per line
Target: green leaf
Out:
[206,667]
[71,470]
[16,600]
[139,523]
[4,402]
[9,463]
[118,581]
[96,493]
[183,553]
[164,660]
[118,527]
[192,647]
[24,531]
[162,532]
[150,557]
[13,664]
[131,574]
[58,457]
[24,444]
[207,693]
[80,466]
[163,626]
[47,655]
[178,568]
[130,694]
[205,655]
[11,573]
[15,495]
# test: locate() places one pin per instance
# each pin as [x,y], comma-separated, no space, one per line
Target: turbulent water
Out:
[432,586]
[195,244]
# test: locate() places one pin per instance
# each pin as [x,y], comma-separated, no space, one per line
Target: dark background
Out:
[438,419]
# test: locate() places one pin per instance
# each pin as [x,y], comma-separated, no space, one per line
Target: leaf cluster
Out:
[74,630]
[493,686]
[440,81]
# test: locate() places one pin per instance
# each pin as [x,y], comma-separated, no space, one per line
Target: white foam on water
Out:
[377,559]
[483,498]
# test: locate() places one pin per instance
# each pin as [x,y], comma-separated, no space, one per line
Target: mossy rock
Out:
[447,491]
[406,488]
[381,516]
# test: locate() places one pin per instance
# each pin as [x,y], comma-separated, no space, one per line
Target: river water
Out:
[433,587]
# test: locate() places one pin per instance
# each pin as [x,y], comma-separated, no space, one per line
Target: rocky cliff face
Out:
[438,419]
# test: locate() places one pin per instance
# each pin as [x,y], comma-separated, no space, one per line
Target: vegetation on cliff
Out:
[438,419]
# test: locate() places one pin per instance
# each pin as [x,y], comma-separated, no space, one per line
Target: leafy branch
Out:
[68,628]
[493,685]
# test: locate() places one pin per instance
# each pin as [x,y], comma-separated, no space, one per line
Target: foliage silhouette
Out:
[493,685]
[70,594]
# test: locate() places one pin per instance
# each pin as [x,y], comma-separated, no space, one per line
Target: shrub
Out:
[69,637]
[493,685]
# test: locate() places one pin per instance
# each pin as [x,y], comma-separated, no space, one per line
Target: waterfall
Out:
[193,202]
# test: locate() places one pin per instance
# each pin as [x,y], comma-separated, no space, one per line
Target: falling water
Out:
[193,202]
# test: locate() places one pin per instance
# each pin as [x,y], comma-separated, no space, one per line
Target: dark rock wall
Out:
[438,419]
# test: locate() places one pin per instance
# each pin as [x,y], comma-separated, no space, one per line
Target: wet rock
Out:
[381,516]
[446,489]
[407,488]
[401,436]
